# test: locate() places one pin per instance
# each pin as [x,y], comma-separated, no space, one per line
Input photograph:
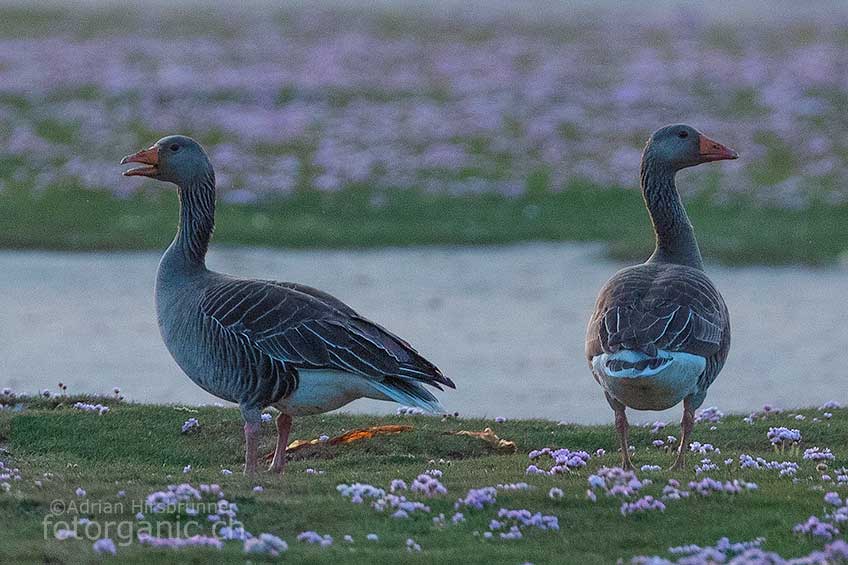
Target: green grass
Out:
[139,449]
[734,234]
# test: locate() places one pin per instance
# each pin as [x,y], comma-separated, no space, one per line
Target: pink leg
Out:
[686,425]
[622,427]
[284,423]
[251,442]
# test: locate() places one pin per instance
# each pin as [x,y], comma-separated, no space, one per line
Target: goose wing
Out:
[325,297]
[309,329]
[661,306]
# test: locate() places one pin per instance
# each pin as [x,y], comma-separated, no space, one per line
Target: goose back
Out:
[661,306]
[248,340]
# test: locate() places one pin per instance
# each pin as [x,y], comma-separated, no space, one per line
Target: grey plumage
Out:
[252,341]
[660,331]
[301,331]
[662,306]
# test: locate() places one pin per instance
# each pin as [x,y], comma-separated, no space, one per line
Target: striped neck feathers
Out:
[675,237]
[197,220]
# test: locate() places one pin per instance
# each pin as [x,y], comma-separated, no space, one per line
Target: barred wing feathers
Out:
[661,306]
[309,329]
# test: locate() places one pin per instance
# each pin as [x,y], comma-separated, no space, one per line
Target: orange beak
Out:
[149,157]
[714,151]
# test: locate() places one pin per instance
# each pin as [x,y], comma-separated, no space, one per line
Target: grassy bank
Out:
[139,449]
[75,219]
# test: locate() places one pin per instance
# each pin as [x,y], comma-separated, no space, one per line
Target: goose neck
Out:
[675,237]
[197,222]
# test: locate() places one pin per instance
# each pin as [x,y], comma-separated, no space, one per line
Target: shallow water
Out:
[506,323]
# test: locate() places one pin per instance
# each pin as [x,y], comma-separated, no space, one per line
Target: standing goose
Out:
[263,343]
[660,332]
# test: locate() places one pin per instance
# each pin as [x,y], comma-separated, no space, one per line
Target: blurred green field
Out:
[351,127]
[75,219]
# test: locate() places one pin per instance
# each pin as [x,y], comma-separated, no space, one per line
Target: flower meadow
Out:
[741,500]
[462,101]
[456,103]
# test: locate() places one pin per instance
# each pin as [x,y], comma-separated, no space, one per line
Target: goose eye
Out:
[683,134]
[174,147]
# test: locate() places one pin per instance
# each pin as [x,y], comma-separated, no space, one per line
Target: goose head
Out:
[177,159]
[679,146]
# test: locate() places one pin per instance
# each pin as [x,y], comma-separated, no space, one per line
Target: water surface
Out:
[506,323]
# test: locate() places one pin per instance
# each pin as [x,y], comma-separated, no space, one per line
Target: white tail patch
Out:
[626,363]
[322,390]
[649,383]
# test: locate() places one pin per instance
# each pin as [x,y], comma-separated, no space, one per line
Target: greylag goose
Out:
[262,343]
[660,332]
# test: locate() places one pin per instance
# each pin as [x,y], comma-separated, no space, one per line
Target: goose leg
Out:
[686,425]
[251,443]
[622,426]
[284,422]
